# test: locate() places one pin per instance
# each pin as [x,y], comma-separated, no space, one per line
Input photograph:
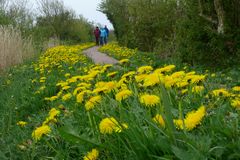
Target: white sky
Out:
[87,8]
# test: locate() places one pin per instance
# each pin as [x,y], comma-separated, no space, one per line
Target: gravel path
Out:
[98,57]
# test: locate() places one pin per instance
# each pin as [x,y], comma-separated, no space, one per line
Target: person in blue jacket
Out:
[103,36]
[107,31]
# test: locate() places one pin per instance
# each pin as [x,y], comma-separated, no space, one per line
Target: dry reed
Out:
[14,49]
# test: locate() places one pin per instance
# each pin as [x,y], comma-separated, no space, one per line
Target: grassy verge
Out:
[72,109]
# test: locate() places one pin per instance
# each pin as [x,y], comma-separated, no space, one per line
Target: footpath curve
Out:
[98,57]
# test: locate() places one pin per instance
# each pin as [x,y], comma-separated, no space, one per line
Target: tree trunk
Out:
[221,15]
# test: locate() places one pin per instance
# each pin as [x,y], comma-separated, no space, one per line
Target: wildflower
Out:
[123,61]
[197,78]
[140,78]
[53,98]
[66,87]
[105,87]
[75,92]
[110,125]
[129,74]
[144,69]
[159,119]
[92,102]
[235,103]
[236,88]
[93,155]
[67,75]
[66,96]
[80,96]
[179,74]
[149,100]
[152,79]
[112,74]
[62,84]
[197,89]
[169,82]
[42,88]
[40,131]
[181,84]
[86,85]
[123,95]
[192,119]
[21,123]
[220,92]
[165,69]
[184,91]
[53,113]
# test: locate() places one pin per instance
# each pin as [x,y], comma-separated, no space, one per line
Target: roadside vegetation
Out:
[27,31]
[175,93]
[65,107]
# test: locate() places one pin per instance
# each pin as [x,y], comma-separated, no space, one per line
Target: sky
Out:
[88,8]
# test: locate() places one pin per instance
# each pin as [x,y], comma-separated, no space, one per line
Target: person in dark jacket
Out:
[107,33]
[97,33]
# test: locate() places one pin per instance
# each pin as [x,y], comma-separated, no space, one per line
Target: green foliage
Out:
[141,24]
[76,131]
[198,32]
[198,41]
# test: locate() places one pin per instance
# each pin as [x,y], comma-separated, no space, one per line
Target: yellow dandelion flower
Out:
[182,84]
[66,96]
[54,112]
[67,75]
[144,69]
[93,155]
[129,74]
[123,61]
[197,78]
[149,100]
[66,88]
[197,89]
[110,125]
[53,98]
[168,81]
[235,103]
[40,131]
[86,85]
[92,102]
[179,74]
[220,92]
[112,74]
[165,69]
[159,120]
[236,88]
[123,95]
[184,91]
[21,123]
[75,92]
[192,119]
[140,78]
[152,79]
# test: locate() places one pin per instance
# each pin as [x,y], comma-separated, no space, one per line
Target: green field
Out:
[63,106]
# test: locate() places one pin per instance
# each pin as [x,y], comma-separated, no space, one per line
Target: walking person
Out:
[107,32]
[103,36]
[97,35]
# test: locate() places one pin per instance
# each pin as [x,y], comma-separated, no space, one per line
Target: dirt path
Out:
[98,57]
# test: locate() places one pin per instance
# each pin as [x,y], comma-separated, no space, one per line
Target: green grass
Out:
[77,130]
